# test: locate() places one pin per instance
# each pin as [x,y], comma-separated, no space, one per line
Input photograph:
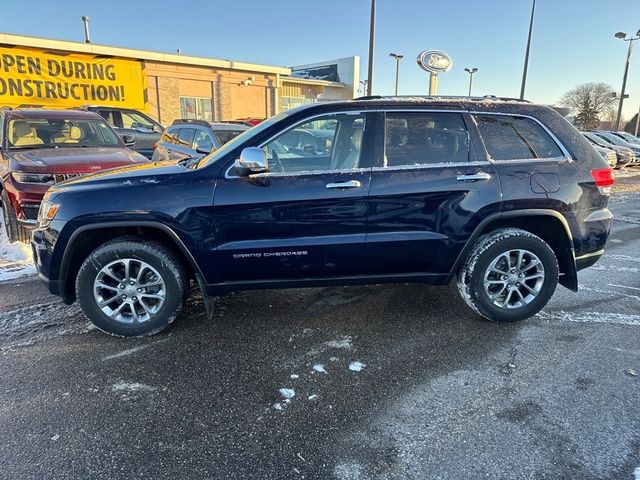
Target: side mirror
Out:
[252,160]
[203,151]
[129,140]
[309,149]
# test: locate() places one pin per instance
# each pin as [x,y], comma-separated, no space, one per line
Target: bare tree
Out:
[588,101]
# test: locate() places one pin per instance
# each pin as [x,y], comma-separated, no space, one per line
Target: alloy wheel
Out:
[514,279]
[129,291]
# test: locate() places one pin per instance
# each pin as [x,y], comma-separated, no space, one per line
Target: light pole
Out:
[372,33]
[470,71]
[526,55]
[397,57]
[623,36]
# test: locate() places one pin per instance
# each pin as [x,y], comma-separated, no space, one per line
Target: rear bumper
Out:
[585,261]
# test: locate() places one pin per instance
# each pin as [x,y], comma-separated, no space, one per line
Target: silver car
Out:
[187,138]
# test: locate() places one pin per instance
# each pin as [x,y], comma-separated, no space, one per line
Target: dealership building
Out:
[41,72]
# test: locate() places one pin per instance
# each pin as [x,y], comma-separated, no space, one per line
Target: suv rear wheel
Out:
[15,231]
[509,276]
[131,288]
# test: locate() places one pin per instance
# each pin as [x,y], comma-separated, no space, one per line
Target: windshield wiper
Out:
[31,147]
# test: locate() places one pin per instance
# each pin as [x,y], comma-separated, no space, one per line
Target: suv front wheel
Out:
[131,288]
[510,275]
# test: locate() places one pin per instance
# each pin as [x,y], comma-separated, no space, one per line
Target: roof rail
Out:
[193,121]
[452,97]
[369,97]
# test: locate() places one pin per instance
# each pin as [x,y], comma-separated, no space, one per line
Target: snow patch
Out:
[278,406]
[15,258]
[287,393]
[122,386]
[295,376]
[124,353]
[319,368]
[592,317]
[343,343]
[312,397]
[44,321]
[356,366]
[636,473]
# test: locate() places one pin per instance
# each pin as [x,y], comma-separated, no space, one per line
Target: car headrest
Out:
[21,129]
[356,139]
[75,133]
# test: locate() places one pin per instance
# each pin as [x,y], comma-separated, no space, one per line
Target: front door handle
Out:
[473,177]
[349,184]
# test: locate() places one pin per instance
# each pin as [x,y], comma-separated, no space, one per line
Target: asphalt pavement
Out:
[365,382]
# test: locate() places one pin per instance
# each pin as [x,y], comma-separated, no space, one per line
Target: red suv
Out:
[39,148]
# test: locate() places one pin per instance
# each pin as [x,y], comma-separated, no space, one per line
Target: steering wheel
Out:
[277,163]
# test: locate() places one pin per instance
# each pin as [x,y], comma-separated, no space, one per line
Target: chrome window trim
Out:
[566,155]
[307,173]
[427,166]
[301,122]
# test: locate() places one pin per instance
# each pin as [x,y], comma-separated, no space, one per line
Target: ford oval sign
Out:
[435,61]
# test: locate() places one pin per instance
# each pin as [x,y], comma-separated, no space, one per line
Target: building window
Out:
[199,108]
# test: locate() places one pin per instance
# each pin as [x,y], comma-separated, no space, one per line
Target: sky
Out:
[573,40]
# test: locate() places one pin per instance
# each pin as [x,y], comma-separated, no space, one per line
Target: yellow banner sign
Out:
[35,77]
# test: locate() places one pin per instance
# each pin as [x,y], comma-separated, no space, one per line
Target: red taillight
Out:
[603,176]
[154,146]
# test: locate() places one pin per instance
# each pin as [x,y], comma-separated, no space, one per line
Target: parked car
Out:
[609,155]
[628,137]
[187,138]
[624,155]
[616,140]
[126,121]
[506,196]
[39,148]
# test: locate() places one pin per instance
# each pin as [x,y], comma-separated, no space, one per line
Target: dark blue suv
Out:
[503,195]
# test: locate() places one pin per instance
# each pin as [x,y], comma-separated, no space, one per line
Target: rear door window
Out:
[516,138]
[425,138]
[203,141]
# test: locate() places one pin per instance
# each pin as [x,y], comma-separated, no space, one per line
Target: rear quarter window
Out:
[516,138]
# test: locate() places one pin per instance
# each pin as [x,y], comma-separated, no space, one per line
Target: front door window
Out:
[332,142]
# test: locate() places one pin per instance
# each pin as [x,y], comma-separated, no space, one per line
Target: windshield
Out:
[613,139]
[60,133]
[597,140]
[628,137]
[240,139]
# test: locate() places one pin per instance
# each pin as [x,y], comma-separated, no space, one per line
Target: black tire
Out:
[161,259]
[471,279]
[15,231]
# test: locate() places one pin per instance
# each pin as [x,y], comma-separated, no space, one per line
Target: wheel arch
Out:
[549,225]
[87,238]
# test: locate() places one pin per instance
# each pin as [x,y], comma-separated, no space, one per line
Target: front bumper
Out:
[42,246]
[25,199]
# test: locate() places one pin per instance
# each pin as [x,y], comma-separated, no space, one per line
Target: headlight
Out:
[47,212]
[23,177]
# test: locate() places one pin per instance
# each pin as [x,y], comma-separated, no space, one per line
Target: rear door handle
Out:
[349,184]
[473,177]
